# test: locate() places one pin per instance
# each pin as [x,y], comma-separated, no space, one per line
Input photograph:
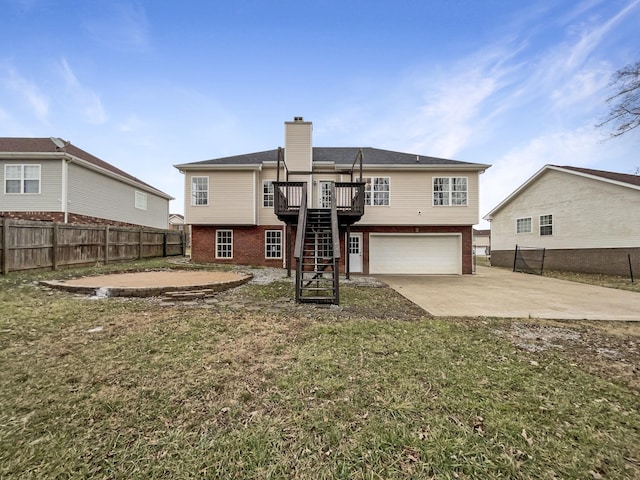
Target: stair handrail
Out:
[302,225]
[335,231]
[301,231]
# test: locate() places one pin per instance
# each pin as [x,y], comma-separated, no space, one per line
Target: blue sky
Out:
[148,84]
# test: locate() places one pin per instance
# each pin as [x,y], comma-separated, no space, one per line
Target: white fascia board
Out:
[476,167]
[188,167]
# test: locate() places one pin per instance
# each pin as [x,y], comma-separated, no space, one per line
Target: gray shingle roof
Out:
[46,145]
[338,155]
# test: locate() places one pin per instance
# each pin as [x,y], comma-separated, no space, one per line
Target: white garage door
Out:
[415,254]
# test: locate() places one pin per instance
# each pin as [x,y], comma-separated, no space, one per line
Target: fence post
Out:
[141,233]
[54,247]
[5,245]
[515,258]
[183,239]
[164,244]
[630,267]
[106,244]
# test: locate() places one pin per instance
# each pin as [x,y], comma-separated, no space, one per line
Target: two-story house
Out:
[51,179]
[416,212]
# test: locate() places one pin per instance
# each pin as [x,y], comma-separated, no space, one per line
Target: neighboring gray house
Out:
[587,220]
[50,179]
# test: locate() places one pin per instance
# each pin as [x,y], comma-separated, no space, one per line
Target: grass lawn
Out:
[372,390]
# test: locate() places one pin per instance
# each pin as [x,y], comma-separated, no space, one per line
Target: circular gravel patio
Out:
[151,283]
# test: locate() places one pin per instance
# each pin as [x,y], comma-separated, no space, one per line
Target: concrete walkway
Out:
[496,292]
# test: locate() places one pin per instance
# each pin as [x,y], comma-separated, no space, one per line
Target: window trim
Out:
[369,190]
[23,178]
[140,196]
[267,244]
[541,225]
[193,196]
[530,225]
[450,192]
[266,194]
[219,244]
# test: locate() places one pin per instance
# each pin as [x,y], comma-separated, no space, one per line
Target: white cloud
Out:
[85,99]
[35,99]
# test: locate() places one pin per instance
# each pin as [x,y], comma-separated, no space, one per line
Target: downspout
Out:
[65,190]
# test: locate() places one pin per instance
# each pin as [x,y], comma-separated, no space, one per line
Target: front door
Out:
[324,200]
[355,253]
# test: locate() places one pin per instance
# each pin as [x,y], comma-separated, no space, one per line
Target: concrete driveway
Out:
[496,292]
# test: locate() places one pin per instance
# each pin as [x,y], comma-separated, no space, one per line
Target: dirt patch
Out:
[611,353]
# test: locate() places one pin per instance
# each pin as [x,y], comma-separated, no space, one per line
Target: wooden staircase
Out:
[318,267]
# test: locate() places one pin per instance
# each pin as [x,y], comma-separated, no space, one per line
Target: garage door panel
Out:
[415,254]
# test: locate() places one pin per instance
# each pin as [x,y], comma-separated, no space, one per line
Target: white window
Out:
[523,225]
[450,191]
[546,224]
[273,244]
[224,243]
[22,179]
[141,200]
[376,191]
[267,193]
[199,191]
[325,194]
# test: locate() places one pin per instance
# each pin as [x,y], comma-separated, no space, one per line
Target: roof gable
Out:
[620,179]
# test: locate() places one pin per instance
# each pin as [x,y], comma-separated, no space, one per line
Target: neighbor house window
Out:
[376,191]
[546,224]
[273,244]
[22,179]
[267,193]
[450,191]
[523,225]
[199,191]
[141,200]
[224,243]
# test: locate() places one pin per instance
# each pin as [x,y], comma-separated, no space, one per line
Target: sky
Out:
[148,84]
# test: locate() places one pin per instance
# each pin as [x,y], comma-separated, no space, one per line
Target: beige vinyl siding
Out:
[266,215]
[411,200]
[232,198]
[298,146]
[587,213]
[50,197]
[97,195]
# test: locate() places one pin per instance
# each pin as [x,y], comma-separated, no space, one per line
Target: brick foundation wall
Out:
[249,244]
[58,217]
[608,261]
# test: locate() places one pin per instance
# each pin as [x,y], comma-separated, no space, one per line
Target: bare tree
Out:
[624,114]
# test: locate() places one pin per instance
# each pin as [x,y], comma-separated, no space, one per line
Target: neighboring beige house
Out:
[587,220]
[51,179]
[397,213]
[176,222]
[482,242]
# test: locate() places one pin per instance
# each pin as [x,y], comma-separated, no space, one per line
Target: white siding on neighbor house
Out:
[232,198]
[96,195]
[411,200]
[587,213]
[50,197]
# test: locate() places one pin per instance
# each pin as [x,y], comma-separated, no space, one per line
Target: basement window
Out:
[224,243]
[273,244]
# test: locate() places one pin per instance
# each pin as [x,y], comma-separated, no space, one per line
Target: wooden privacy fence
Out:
[28,245]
